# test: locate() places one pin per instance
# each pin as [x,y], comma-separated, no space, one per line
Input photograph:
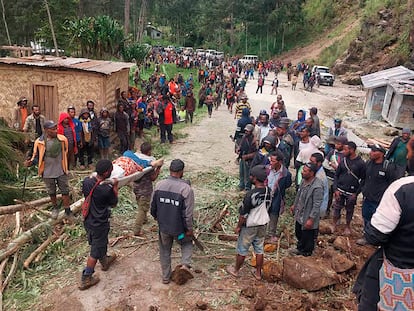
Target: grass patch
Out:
[333,52]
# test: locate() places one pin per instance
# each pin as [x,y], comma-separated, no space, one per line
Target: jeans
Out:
[165,242]
[166,130]
[368,209]
[244,175]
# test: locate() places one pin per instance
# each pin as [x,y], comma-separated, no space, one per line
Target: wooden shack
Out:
[376,85]
[54,83]
[398,108]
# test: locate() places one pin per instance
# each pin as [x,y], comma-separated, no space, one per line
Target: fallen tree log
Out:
[222,214]
[39,250]
[26,236]
[11,209]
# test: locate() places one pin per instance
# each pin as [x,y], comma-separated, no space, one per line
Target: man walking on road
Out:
[172,206]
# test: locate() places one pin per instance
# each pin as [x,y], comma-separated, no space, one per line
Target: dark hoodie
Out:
[241,124]
[61,129]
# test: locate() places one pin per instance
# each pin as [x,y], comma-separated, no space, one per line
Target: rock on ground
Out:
[308,273]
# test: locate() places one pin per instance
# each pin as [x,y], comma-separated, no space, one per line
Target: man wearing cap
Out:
[104,132]
[348,181]
[104,196]
[172,206]
[246,150]
[379,175]
[20,114]
[50,152]
[330,164]
[306,209]
[398,149]
[242,104]
[252,235]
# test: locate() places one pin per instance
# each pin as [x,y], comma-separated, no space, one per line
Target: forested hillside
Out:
[268,28]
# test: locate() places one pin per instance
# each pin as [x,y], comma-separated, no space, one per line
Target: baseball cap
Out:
[337,120]
[176,165]
[377,147]
[49,124]
[249,127]
[341,139]
[263,111]
[270,140]
[406,130]
[259,171]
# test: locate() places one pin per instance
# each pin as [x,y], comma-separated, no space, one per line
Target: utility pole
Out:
[5,22]
[51,28]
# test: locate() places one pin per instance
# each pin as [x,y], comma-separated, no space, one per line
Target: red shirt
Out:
[168,114]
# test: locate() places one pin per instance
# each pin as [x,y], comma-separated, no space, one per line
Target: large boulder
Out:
[308,273]
[352,78]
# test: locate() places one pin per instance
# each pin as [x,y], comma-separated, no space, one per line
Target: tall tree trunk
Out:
[81,9]
[5,22]
[410,7]
[126,16]
[51,28]
[142,19]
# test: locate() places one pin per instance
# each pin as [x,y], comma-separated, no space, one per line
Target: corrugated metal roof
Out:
[383,77]
[84,64]
[404,87]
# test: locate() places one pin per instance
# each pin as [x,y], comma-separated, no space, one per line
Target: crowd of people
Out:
[328,180]
[273,153]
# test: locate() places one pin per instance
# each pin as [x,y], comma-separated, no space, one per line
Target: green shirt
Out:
[399,156]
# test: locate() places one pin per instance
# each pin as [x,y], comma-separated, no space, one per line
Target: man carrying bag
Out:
[253,219]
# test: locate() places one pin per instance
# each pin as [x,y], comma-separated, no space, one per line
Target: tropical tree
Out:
[100,37]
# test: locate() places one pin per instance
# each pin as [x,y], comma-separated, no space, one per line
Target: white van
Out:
[210,53]
[248,59]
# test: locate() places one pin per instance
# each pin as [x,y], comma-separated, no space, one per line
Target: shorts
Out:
[62,183]
[254,236]
[98,240]
[104,142]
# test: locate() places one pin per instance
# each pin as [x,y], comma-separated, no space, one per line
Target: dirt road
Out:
[134,281]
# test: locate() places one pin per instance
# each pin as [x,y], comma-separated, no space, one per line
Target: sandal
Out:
[230,270]
[253,271]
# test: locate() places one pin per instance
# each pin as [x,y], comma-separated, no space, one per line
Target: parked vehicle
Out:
[219,55]
[210,54]
[323,76]
[248,59]
[188,51]
[170,48]
[200,52]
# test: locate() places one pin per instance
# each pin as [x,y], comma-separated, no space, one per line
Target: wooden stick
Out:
[222,214]
[10,209]
[278,247]
[11,272]
[39,250]
[139,245]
